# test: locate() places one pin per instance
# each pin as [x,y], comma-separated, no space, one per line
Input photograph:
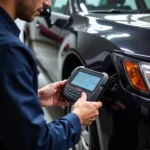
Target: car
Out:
[111,36]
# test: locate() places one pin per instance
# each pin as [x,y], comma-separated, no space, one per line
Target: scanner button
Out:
[69,93]
[79,90]
[74,92]
[77,96]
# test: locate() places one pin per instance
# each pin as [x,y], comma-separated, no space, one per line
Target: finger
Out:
[83,96]
[59,84]
[46,103]
[63,103]
[99,104]
[119,105]
[47,3]
[56,84]
[114,107]
[87,123]
[96,104]
[63,100]
[57,97]
[50,88]
[92,118]
[63,82]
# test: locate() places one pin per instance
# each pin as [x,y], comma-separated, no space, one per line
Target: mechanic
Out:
[22,124]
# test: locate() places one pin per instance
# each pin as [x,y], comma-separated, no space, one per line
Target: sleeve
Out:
[22,124]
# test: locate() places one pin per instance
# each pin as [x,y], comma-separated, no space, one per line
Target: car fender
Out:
[95,50]
[68,44]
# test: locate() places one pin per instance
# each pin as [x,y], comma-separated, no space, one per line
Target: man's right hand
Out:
[85,110]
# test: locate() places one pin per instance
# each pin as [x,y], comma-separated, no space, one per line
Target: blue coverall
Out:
[22,124]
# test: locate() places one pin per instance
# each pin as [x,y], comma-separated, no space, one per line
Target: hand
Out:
[85,110]
[118,106]
[50,95]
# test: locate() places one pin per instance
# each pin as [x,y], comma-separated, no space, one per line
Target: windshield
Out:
[98,5]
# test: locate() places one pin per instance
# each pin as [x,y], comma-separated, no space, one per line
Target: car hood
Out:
[129,32]
[136,20]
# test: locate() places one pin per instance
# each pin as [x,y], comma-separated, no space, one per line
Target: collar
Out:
[9,22]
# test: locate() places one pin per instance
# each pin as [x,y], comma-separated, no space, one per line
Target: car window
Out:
[121,4]
[147,3]
[130,3]
[59,5]
[115,4]
[94,2]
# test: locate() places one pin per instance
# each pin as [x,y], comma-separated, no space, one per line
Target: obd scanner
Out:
[91,82]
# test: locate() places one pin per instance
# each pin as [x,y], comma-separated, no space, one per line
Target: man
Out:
[22,125]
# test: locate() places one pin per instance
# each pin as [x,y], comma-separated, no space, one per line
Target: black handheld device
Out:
[91,82]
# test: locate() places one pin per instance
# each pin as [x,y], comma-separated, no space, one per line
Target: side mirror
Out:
[47,14]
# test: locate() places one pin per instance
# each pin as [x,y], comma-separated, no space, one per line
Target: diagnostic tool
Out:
[91,82]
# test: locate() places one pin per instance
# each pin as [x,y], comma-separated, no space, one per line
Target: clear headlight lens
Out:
[145,69]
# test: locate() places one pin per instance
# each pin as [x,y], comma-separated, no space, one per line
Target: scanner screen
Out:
[86,81]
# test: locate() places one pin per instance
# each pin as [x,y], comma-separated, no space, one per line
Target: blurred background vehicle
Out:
[109,36]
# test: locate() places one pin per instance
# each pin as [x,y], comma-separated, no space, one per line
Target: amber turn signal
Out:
[135,76]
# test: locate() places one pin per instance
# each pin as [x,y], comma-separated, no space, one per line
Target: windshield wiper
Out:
[114,11]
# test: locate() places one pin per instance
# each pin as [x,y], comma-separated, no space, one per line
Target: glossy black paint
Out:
[101,41]
[97,38]
[115,36]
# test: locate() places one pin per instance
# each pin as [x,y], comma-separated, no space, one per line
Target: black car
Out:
[110,36]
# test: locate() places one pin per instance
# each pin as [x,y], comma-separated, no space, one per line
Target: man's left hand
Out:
[50,95]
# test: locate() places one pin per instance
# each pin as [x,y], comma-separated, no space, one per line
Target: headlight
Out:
[135,76]
[145,69]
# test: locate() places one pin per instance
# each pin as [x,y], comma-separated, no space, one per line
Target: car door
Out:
[46,38]
[57,20]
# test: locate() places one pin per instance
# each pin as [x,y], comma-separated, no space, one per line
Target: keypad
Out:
[74,93]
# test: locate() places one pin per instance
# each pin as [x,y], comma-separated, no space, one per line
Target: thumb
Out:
[63,82]
[84,96]
[99,104]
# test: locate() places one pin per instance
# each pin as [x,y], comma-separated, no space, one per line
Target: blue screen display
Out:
[86,81]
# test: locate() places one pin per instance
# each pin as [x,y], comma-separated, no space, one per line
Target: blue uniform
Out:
[22,124]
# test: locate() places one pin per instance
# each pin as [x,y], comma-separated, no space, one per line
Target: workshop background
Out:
[51,113]
[111,36]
